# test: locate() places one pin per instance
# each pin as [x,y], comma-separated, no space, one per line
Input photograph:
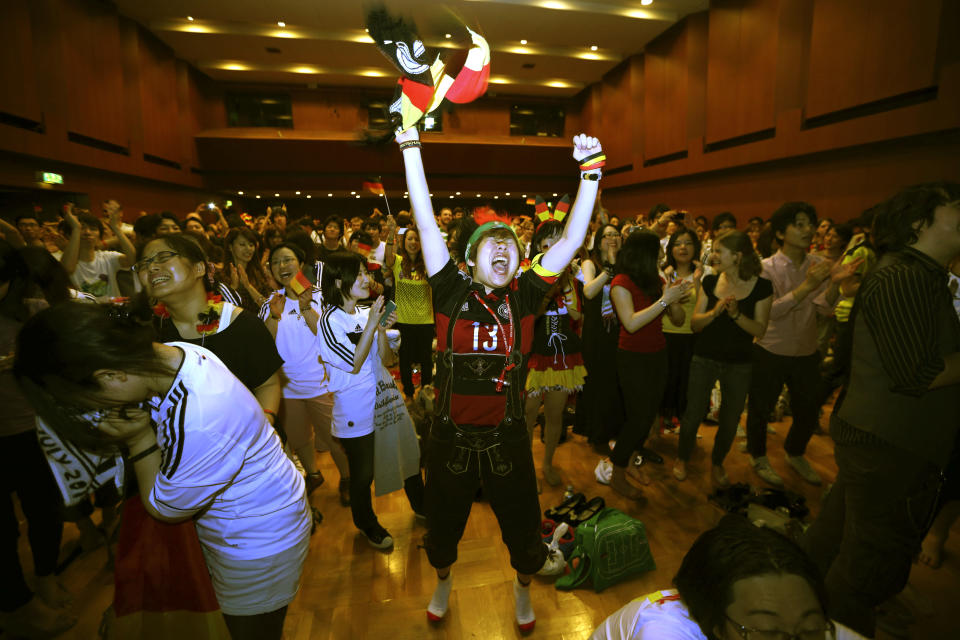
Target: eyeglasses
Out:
[161,257]
[827,632]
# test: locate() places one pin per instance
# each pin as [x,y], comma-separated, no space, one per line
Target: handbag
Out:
[396,448]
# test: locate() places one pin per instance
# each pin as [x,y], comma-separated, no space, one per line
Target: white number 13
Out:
[488,345]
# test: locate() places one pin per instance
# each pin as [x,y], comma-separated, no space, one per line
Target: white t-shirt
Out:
[99,276]
[223,463]
[377,254]
[662,615]
[307,376]
[338,333]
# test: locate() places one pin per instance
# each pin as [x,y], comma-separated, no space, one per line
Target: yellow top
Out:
[413,296]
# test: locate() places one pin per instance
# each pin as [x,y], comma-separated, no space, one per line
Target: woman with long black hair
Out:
[640,297]
[102,384]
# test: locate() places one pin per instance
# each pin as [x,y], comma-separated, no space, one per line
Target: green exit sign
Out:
[47,177]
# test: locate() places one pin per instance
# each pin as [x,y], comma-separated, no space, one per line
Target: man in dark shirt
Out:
[895,422]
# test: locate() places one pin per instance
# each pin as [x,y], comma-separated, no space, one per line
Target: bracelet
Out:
[594,161]
[270,413]
[408,144]
[662,303]
[594,175]
[143,454]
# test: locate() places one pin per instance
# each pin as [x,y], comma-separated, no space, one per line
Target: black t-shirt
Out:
[722,339]
[245,347]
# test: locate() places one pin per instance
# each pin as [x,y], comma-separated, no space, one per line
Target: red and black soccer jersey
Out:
[474,397]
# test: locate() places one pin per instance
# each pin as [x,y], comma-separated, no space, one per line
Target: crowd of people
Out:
[217,353]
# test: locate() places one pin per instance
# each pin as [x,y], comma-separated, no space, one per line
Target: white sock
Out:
[441,597]
[521,597]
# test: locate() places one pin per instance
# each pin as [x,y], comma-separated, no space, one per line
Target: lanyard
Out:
[508,337]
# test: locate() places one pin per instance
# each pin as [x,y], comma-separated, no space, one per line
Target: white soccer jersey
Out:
[337,337]
[223,463]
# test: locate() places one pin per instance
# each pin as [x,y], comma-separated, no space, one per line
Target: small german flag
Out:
[364,249]
[374,186]
[299,283]
[531,201]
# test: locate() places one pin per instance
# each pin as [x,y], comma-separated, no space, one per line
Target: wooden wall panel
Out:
[867,50]
[91,54]
[741,72]
[613,116]
[158,98]
[665,94]
[18,95]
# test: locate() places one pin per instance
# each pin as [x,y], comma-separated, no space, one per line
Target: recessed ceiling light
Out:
[524,196]
[478,195]
[358,197]
[593,47]
[329,195]
[523,42]
[507,193]
[431,195]
[281,23]
[239,193]
[309,196]
[276,195]
[353,193]
[447,35]
[646,3]
[496,197]
[554,195]
[451,197]
[297,192]
[258,197]
[190,18]
[458,193]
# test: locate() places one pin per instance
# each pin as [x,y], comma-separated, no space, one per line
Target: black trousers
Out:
[24,470]
[802,377]
[643,377]
[679,355]
[416,345]
[503,465]
[870,527]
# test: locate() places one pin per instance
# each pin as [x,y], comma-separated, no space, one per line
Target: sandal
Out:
[562,511]
[590,509]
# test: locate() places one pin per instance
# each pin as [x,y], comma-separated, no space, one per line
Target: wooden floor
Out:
[351,591]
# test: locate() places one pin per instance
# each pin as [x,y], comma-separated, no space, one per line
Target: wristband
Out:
[408,144]
[594,175]
[594,161]
[143,454]
[662,303]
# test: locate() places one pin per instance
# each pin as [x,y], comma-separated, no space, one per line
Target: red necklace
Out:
[508,337]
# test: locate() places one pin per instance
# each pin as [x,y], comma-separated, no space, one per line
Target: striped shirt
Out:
[474,399]
[223,463]
[901,304]
[338,333]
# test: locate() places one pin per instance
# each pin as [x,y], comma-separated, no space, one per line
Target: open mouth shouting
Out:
[500,264]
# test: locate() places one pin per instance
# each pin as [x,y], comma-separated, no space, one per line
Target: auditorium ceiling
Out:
[550,48]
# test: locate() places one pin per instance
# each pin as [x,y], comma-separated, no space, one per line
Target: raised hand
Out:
[114,213]
[409,134]
[233,276]
[70,216]
[733,309]
[817,274]
[278,302]
[584,145]
[841,270]
[720,307]
[376,310]
[676,290]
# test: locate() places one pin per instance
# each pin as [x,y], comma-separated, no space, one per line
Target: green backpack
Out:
[611,547]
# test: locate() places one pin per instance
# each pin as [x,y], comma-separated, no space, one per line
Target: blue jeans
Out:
[734,380]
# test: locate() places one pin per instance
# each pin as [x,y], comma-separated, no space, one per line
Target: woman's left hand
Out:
[584,145]
[129,424]
[391,320]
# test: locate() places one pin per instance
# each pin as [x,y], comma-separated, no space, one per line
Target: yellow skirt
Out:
[569,380]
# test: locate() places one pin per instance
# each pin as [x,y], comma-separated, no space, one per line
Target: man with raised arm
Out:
[484,327]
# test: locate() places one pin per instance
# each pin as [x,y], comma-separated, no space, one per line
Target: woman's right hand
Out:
[376,310]
[278,302]
[720,307]
[234,276]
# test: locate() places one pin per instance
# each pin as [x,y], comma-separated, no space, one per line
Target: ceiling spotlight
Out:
[329,195]
[239,193]
[309,196]
[458,193]
[646,3]
[451,197]
[478,195]
[276,195]
[357,197]
[281,23]
[447,35]
[593,47]
[524,196]
[507,193]
[431,195]
[298,193]
[258,197]
[554,195]
[190,18]
[353,193]
[523,42]
[496,197]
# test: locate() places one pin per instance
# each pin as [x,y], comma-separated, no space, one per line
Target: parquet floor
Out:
[351,591]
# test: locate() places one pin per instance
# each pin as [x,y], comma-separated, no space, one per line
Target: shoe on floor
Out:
[680,470]
[719,477]
[761,466]
[651,455]
[440,600]
[554,565]
[378,537]
[526,619]
[801,466]
[344,490]
[314,480]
